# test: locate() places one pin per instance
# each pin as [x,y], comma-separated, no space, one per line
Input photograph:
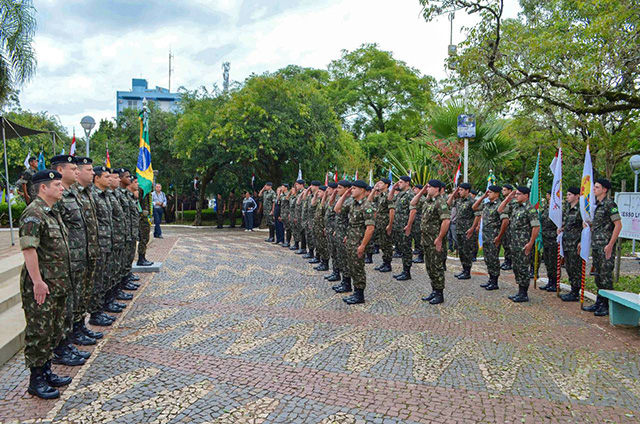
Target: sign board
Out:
[467,126]
[629,207]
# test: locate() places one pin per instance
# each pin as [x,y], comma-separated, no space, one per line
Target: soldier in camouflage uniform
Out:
[219,211]
[293,217]
[525,226]
[320,200]
[44,282]
[370,197]
[284,214]
[398,218]
[549,246]
[475,236]
[416,234]
[70,210]
[144,227]
[268,203]
[605,229]
[494,225]
[464,227]
[382,221]
[359,233]
[436,218]
[122,194]
[118,239]
[572,230]
[507,189]
[25,184]
[298,224]
[231,206]
[134,220]
[330,231]
[308,214]
[342,226]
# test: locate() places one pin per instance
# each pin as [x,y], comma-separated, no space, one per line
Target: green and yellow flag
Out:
[534,197]
[143,168]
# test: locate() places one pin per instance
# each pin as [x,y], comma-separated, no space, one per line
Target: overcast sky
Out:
[89,49]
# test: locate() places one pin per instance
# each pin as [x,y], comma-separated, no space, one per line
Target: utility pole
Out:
[170,68]
[226,66]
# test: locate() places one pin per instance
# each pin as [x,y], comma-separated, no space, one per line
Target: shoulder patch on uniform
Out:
[33,219]
[614,209]
[369,210]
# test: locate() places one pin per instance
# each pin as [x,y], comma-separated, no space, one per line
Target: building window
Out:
[132,103]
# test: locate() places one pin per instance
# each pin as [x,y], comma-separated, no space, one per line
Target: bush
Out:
[16,211]
[207,215]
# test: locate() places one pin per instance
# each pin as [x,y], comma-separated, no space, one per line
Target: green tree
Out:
[17,55]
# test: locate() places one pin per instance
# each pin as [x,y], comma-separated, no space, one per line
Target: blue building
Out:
[139,90]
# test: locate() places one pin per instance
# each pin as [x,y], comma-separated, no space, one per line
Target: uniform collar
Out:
[39,201]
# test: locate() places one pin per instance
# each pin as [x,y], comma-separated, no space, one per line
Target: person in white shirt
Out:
[159,201]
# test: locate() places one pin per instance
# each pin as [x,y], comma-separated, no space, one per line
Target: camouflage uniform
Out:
[293,218]
[523,218]
[319,232]
[268,198]
[506,239]
[42,228]
[401,217]
[134,219]
[284,214]
[434,211]
[70,210]
[572,223]
[123,197]
[360,217]
[549,243]
[219,212]
[491,223]
[118,238]
[601,229]
[105,224]
[144,226]
[382,221]
[342,227]
[464,221]
[25,178]
[330,231]
[302,236]
[93,248]
[308,220]
[416,234]
[232,206]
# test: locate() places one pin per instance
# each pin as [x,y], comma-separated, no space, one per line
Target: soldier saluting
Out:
[44,282]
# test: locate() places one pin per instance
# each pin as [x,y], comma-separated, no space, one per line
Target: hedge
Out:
[16,212]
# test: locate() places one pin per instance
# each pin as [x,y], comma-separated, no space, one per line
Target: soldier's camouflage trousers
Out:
[356,264]
[491,254]
[322,247]
[219,218]
[232,222]
[333,250]
[476,245]
[521,262]
[115,266]
[100,281]
[465,248]
[384,240]
[308,232]
[144,229]
[506,244]
[434,261]
[573,263]
[88,279]
[550,257]
[603,267]
[403,243]
[45,325]
[341,249]
[75,297]
[130,256]
[416,236]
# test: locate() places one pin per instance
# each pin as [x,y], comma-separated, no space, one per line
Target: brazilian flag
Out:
[144,169]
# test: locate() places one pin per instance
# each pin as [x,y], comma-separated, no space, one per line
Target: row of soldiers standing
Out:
[78,236]
[341,222]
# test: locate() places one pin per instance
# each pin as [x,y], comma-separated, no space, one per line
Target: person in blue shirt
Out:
[248,207]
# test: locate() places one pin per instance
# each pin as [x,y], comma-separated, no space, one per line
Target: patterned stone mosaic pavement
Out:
[237,331]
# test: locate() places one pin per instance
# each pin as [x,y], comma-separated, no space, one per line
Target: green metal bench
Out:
[624,307]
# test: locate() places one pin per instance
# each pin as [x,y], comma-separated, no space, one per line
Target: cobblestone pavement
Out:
[237,331]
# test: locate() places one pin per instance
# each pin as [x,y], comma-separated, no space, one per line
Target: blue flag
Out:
[41,161]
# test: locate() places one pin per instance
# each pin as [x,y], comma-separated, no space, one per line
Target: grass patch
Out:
[627,283]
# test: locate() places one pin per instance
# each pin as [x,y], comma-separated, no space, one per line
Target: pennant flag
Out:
[108,161]
[356,177]
[72,150]
[335,176]
[4,195]
[62,152]
[253,180]
[410,173]
[554,162]
[344,175]
[587,204]
[41,165]
[457,175]
[555,203]
[299,173]
[326,179]
[390,176]
[371,177]
[143,167]
[26,160]
[534,197]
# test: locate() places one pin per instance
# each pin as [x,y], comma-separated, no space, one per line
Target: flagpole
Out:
[582,278]
[6,173]
[558,259]
[536,256]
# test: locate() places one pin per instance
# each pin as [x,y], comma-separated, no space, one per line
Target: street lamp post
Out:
[87,123]
[634,163]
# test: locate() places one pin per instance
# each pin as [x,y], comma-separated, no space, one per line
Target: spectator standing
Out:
[248,207]
[159,200]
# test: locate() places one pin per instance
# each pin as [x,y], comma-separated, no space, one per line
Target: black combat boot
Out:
[386,267]
[506,265]
[344,287]
[142,261]
[79,338]
[437,298]
[99,319]
[483,285]
[552,286]
[52,379]
[493,283]
[378,267]
[130,286]
[120,295]
[309,254]
[302,252]
[466,273]
[285,244]
[603,309]
[296,246]
[572,296]
[368,258]
[406,275]
[419,259]
[522,295]
[595,306]
[324,266]
[38,385]
[396,253]
[315,259]
[430,297]
[93,334]
[64,356]
[271,232]
[335,276]
[81,353]
[133,277]
[355,298]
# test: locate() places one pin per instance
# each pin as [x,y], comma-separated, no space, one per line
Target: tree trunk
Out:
[203,188]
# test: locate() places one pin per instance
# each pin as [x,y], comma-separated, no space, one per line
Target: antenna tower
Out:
[226,66]
[170,68]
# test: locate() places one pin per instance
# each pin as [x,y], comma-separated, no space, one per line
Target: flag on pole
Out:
[72,150]
[371,177]
[299,173]
[335,176]
[356,176]
[587,205]
[456,177]
[555,204]
[410,173]
[107,162]
[4,195]
[326,178]
[390,176]
[534,197]
[62,152]
[253,180]
[143,167]
[26,160]
[41,164]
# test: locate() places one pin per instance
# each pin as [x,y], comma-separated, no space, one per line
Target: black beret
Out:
[62,159]
[316,183]
[300,181]
[465,186]
[344,183]
[323,187]
[524,189]
[387,181]
[83,160]
[406,178]
[508,186]
[474,192]
[32,158]
[134,177]
[333,184]
[269,184]
[604,183]
[101,169]
[419,186]
[495,188]
[122,171]
[549,191]
[574,190]
[436,183]
[359,183]
[285,185]
[46,175]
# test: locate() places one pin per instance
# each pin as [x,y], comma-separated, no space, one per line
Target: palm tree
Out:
[17,55]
